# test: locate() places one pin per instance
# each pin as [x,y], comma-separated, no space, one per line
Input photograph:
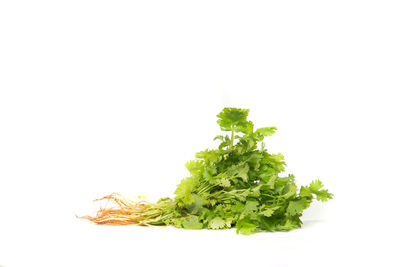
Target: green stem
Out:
[204,187]
[232,136]
[269,195]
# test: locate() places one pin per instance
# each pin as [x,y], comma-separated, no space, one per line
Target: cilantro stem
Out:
[269,195]
[232,137]
[204,187]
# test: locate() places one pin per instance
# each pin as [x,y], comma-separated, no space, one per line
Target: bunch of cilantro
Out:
[238,185]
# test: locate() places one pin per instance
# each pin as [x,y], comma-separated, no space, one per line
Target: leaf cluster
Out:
[240,184]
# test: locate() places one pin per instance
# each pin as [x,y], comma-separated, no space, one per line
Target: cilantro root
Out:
[238,185]
[126,212]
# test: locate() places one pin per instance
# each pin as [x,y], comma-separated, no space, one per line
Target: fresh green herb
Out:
[237,185]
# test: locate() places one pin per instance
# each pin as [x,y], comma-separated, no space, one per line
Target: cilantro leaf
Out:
[316,185]
[192,222]
[297,206]
[323,195]
[245,227]
[263,132]
[268,212]
[235,119]
[184,191]
[217,223]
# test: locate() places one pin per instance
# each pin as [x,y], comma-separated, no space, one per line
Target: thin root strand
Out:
[125,212]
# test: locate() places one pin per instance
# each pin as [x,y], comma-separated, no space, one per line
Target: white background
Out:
[115,96]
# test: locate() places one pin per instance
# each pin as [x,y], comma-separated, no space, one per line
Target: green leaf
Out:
[195,167]
[234,119]
[192,222]
[224,182]
[217,223]
[268,212]
[289,224]
[209,156]
[297,206]
[267,131]
[241,170]
[263,132]
[305,192]
[255,160]
[271,181]
[245,227]
[219,137]
[268,174]
[291,191]
[316,185]
[276,161]
[196,205]
[323,195]
[184,191]
[251,206]
[237,207]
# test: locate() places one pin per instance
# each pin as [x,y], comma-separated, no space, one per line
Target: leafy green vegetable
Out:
[238,185]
